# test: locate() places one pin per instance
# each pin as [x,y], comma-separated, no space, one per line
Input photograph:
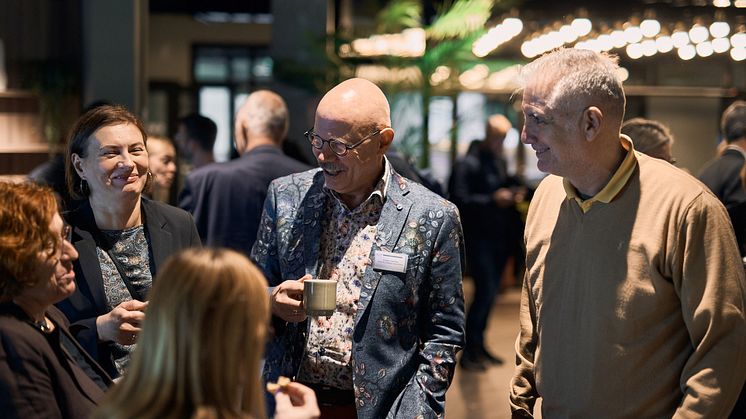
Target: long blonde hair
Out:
[202,340]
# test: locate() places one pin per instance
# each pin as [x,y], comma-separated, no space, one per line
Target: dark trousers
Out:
[486,261]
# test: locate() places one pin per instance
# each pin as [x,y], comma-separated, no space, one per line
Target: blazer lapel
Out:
[313,209]
[84,240]
[159,233]
[393,217]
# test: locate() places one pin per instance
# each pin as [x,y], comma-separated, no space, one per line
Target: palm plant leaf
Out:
[463,18]
[398,15]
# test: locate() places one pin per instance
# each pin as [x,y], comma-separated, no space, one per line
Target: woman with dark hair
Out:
[121,236]
[44,372]
[201,345]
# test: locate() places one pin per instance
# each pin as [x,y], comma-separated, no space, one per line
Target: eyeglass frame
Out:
[67,233]
[311,133]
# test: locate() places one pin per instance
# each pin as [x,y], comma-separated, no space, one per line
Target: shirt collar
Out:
[380,190]
[736,148]
[615,185]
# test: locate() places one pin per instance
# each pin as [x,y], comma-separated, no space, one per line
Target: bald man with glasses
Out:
[395,249]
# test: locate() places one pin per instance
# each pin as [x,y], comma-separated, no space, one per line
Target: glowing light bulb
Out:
[698,33]
[738,54]
[618,39]
[704,49]
[581,26]
[649,48]
[634,51]
[687,52]
[680,38]
[664,43]
[719,29]
[720,45]
[633,34]
[650,27]
[738,40]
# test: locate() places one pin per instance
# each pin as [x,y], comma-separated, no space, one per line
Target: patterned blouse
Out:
[346,241]
[130,248]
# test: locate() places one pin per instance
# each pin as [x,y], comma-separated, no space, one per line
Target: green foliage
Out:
[460,20]
[452,52]
[398,15]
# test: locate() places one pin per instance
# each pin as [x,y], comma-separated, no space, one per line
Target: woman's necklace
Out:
[43,325]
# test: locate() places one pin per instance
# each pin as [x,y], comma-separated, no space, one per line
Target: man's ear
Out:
[387,137]
[591,122]
[77,164]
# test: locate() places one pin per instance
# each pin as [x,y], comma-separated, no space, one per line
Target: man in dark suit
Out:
[722,174]
[486,194]
[226,198]
[195,139]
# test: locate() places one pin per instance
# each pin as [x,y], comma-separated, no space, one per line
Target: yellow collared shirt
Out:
[615,185]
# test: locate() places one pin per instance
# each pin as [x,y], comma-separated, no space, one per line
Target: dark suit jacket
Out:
[408,326]
[167,230]
[722,177]
[37,377]
[474,180]
[226,198]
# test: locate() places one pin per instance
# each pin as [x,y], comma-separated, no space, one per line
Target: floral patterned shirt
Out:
[346,242]
[130,248]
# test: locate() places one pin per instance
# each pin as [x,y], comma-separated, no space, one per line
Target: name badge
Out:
[388,261]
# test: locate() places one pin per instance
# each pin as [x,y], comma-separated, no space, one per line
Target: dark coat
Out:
[167,230]
[226,198]
[473,183]
[722,177]
[38,378]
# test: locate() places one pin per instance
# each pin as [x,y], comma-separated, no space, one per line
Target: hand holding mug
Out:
[286,300]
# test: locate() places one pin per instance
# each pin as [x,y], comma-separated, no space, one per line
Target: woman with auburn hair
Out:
[121,236]
[44,372]
[200,348]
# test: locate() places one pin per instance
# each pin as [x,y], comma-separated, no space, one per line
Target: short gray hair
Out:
[578,73]
[264,112]
[647,134]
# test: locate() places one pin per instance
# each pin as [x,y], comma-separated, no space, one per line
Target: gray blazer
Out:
[409,326]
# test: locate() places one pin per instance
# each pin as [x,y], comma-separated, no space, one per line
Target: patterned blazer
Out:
[409,326]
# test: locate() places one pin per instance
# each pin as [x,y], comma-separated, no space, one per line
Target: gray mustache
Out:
[331,166]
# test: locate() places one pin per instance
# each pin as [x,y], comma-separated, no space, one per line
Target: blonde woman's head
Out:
[202,341]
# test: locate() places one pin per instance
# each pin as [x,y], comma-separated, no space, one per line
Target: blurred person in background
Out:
[650,137]
[721,175]
[122,237]
[44,372]
[486,196]
[226,199]
[162,161]
[195,138]
[201,345]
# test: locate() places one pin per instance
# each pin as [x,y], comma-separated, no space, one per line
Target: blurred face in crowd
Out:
[54,273]
[116,162]
[162,161]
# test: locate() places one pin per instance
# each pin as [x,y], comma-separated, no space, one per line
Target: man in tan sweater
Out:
[633,300]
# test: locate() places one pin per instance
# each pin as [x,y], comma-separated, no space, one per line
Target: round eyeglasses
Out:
[338,147]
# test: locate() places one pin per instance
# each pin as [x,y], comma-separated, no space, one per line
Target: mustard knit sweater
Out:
[634,309]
